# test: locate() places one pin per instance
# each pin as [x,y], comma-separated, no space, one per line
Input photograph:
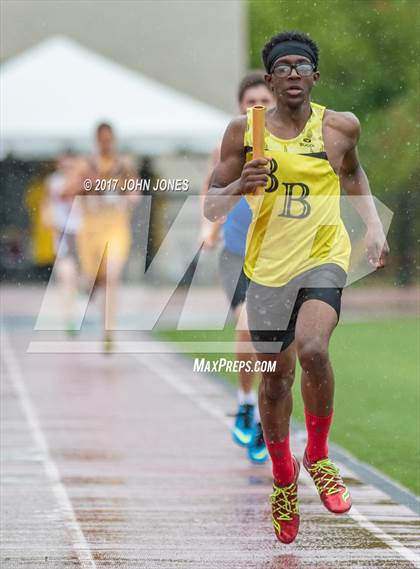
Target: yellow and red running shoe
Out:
[333,492]
[285,509]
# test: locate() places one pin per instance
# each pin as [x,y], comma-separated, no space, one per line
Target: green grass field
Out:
[377,404]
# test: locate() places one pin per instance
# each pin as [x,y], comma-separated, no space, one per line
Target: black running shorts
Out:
[272,311]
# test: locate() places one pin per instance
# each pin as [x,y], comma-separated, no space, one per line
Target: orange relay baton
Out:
[258,127]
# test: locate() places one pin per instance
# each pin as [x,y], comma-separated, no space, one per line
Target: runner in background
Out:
[62,215]
[41,236]
[247,430]
[104,238]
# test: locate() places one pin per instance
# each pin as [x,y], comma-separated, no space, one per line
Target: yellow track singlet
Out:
[297,225]
[105,227]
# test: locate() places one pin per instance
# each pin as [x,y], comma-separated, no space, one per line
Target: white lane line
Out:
[168,375]
[393,543]
[78,540]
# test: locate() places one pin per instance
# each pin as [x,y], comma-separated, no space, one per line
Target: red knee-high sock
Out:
[318,429]
[283,468]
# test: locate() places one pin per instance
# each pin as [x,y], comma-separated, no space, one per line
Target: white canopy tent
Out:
[54,94]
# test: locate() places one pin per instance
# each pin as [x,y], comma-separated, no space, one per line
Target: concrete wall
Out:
[196,46]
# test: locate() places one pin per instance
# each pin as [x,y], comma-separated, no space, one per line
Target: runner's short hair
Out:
[251,79]
[103,125]
[289,36]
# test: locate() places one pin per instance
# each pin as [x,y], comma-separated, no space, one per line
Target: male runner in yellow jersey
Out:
[296,259]
[105,234]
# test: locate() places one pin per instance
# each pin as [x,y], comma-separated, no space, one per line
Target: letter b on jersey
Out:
[295,204]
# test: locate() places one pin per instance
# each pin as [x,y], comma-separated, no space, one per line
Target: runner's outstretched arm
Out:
[354,181]
[209,232]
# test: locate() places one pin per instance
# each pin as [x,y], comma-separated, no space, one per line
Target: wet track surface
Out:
[126,461]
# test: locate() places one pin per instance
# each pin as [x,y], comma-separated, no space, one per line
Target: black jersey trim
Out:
[322,155]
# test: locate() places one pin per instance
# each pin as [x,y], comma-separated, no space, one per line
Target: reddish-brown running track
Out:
[126,462]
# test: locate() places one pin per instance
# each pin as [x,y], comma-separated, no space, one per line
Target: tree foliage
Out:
[369,64]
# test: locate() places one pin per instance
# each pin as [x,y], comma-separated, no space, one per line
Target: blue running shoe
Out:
[257,451]
[242,429]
